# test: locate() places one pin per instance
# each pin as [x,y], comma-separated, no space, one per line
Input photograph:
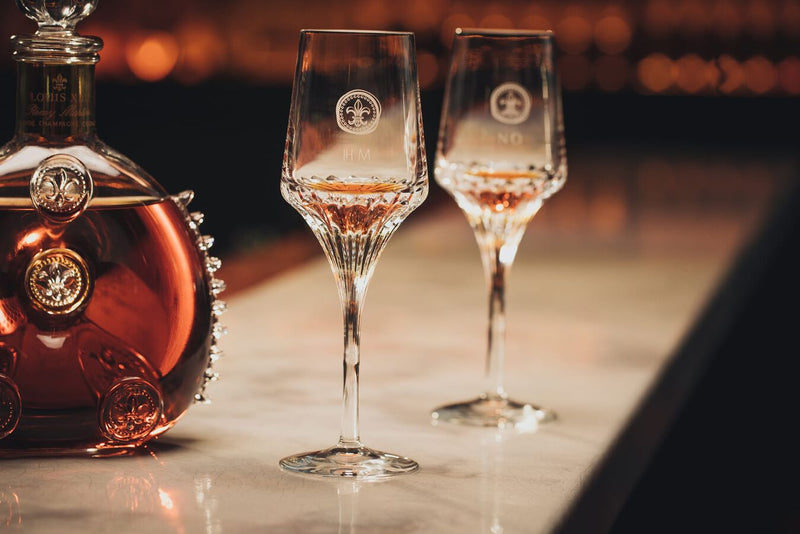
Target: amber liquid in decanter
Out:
[108,300]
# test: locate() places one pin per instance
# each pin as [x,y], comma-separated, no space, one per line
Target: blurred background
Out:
[661,97]
[681,118]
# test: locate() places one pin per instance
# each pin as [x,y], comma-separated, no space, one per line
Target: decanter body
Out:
[107,296]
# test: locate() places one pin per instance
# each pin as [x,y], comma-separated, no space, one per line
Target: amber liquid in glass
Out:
[146,316]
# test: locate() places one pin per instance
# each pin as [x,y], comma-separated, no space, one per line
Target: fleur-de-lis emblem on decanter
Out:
[59,83]
[61,189]
[357,112]
[57,282]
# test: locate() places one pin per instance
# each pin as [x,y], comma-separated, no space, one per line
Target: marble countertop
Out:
[594,313]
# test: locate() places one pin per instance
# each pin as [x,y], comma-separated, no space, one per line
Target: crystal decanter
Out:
[108,308]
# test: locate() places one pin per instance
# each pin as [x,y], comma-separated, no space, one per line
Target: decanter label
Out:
[510,103]
[358,112]
[56,99]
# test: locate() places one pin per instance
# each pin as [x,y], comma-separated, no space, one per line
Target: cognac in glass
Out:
[500,155]
[354,168]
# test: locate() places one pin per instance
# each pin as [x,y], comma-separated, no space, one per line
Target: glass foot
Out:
[494,412]
[357,462]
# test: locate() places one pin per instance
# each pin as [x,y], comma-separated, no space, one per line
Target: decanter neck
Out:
[55,102]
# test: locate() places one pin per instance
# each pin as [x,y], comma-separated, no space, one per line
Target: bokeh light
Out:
[202,51]
[113,54]
[574,33]
[727,19]
[656,72]
[694,17]
[536,21]
[496,20]
[760,75]
[691,75]
[427,68]
[152,56]
[612,34]
[760,19]
[732,74]
[789,75]
[660,18]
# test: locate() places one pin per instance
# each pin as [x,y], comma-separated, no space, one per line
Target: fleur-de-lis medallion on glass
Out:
[358,112]
[61,187]
[510,103]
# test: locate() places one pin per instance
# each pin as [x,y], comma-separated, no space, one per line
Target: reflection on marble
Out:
[591,325]
[105,495]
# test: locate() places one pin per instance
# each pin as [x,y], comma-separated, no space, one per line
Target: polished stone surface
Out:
[594,313]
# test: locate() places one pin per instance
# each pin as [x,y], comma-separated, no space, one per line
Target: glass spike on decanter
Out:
[108,299]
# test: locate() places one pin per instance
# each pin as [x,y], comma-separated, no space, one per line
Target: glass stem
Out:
[352,289]
[497,253]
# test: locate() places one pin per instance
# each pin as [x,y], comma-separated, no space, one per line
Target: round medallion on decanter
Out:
[109,308]
[57,281]
[61,187]
[130,410]
[10,403]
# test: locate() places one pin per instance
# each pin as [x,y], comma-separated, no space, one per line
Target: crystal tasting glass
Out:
[500,155]
[354,167]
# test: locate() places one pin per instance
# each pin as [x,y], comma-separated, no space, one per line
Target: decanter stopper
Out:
[55,41]
[57,14]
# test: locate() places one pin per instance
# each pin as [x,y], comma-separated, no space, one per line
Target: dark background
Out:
[198,92]
[700,96]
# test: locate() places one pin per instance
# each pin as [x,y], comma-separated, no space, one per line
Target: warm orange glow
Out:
[574,34]
[694,17]
[659,17]
[691,76]
[372,14]
[449,25]
[611,73]
[656,72]
[608,213]
[496,20]
[732,74]
[420,15]
[790,19]
[113,53]
[760,19]
[760,75]
[427,68]
[612,34]
[574,72]
[789,75]
[152,56]
[536,22]
[727,19]
[203,51]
